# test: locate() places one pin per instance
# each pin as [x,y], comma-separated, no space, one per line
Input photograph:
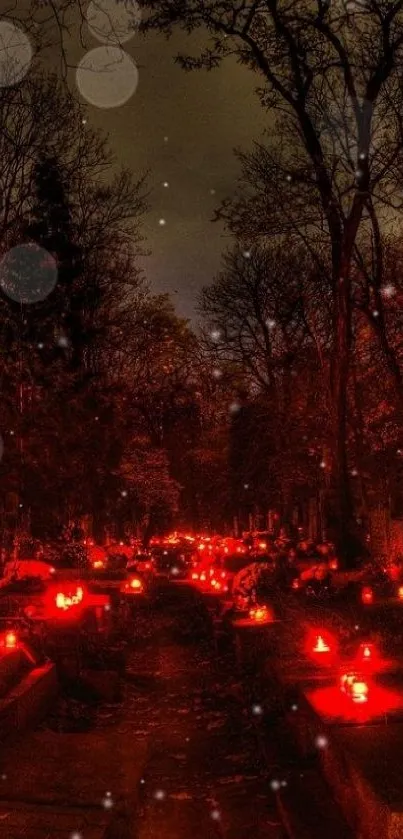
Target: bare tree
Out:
[320,65]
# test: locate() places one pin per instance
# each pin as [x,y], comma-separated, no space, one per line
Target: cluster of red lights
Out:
[355,681]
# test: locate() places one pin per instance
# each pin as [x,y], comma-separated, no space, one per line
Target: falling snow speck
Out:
[76,836]
[246,254]
[162,222]
[165,184]
[275,785]
[212,191]
[124,493]
[216,815]
[217,373]
[375,314]
[321,741]
[388,291]
[257,710]
[159,795]
[108,802]
[234,408]
[215,335]
[294,707]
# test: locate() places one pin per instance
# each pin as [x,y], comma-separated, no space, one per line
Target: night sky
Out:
[183,127]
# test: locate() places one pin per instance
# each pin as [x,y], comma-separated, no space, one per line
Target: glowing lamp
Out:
[136,584]
[195,576]
[400,593]
[367,595]
[98,563]
[10,640]
[354,687]
[295,583]
[262,545]
[260,614]
[213,582]
[321,646]
[334,564]
[60,600]
[203,577]
[368,657]
[52,570]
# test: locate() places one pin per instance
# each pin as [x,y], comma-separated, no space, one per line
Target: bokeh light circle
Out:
[113,22]
[28,273]
[107,77]
[15,54]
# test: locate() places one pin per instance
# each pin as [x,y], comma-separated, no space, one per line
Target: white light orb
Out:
[107,77]
[113,22]
[28,273]
[15,54]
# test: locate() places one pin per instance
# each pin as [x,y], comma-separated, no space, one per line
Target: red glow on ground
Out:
[331,703]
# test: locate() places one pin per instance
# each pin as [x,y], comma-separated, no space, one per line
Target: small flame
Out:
[321,646]
[10,641]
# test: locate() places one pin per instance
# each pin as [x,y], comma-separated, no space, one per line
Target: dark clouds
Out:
[204,116]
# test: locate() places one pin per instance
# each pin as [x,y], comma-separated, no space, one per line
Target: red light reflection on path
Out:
[333,705]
